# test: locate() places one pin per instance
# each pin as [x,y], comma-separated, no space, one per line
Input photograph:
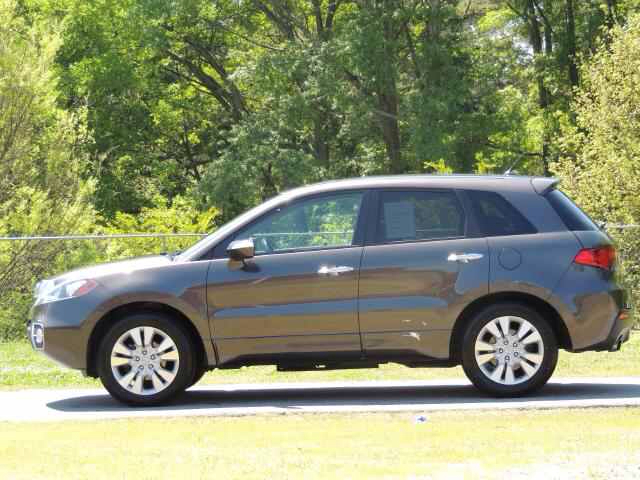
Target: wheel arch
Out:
[117,313]
[541,306]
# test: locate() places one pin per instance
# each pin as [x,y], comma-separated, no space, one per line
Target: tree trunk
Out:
[535,38]
[571,44]
[321,147]
[611,13]
[387,96]
[388,104]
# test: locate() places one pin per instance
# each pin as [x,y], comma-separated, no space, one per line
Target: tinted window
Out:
[419,215]
[574,218]
[496,216]
[328,221]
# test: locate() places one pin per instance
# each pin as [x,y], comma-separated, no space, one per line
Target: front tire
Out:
[146,359]
[509,350]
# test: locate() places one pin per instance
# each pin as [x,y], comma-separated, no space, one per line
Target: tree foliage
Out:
[600,162]
[41,159]
[232,101]
[157,115]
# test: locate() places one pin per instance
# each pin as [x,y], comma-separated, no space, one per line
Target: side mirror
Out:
[241,249]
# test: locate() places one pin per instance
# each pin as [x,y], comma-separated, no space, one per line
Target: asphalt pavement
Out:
[335,397]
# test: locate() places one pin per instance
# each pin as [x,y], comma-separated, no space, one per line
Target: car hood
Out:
[104,269]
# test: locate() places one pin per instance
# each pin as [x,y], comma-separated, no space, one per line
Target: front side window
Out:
[419,215]
[323,222]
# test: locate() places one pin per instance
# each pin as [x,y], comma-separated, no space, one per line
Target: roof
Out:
[478,182]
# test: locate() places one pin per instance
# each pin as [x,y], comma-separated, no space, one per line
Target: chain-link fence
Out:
[47,255]
[27,259]
[627,239]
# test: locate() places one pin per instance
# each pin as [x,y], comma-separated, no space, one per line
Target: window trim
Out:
[218,251]
[374,239]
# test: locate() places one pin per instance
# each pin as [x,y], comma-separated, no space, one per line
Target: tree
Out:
[600,155]
[233,101]
[41,158]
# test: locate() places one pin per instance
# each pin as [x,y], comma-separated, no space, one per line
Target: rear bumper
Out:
[594,306]
[619,334]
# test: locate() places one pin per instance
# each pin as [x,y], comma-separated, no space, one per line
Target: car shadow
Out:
[324,396]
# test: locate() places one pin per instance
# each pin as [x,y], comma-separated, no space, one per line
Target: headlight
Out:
[71,289]
[41,287]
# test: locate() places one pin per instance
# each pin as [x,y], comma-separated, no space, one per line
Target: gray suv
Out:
[494,273]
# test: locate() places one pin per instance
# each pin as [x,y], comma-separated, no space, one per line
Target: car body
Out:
[354,273]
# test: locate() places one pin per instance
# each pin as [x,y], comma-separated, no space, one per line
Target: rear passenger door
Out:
[523,259]
[419,270]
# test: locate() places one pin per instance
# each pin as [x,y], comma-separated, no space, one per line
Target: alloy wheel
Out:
[509,350]
[145,360]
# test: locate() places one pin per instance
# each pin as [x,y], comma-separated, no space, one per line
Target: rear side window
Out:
[574,218]
[496,216]
[419,215]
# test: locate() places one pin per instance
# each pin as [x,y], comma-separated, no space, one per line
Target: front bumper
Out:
[60,331]
[35,333]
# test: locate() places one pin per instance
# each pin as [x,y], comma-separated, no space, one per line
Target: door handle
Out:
[324,270]
[464,257]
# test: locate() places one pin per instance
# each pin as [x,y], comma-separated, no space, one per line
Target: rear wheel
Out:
[146,359]
[199,373]
[509,350]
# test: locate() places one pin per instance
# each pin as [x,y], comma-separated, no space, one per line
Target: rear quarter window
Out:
[496,216]
[574,218]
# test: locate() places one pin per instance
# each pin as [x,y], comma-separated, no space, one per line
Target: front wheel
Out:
[145,359]
[509,350]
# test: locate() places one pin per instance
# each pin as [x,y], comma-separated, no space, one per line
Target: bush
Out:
[41,161]
[600,156]
[61,255]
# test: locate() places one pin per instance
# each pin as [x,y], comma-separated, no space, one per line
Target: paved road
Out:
[283,398]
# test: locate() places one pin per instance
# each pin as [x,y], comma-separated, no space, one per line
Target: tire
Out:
[135,370]
[199,373]
[520,366]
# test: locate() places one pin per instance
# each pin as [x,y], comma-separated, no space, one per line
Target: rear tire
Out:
[509,363]
[146,359]
[199,373]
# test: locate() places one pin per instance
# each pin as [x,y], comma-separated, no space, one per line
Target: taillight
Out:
[600,257]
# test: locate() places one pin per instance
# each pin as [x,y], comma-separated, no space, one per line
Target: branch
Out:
[516,11]
[220,25]
[412,50]
[331,13]
[318,16]
[546,21]
[495,146]
[201,78]
[356,82]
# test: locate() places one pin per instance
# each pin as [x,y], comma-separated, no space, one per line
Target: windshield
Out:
[201,247]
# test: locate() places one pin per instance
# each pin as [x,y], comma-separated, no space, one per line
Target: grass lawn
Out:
[20,367]
[596,443]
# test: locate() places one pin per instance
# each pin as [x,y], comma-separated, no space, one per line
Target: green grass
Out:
[596,443]
[20,367]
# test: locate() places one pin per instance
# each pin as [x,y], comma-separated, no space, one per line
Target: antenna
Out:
[512,166]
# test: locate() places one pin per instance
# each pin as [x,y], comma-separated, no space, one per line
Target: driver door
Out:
[297,297]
